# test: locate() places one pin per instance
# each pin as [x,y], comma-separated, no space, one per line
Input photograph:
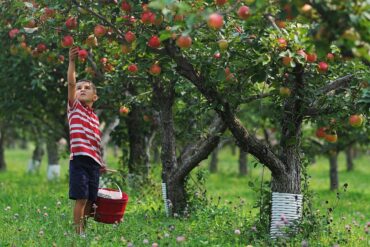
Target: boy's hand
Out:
[73,52]
[103,169]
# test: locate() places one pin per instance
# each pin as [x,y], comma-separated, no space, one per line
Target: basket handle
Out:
[119,188]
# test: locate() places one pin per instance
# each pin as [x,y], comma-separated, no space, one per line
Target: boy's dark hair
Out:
[90,82]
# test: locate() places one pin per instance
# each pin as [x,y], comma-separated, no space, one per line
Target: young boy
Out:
[85,138]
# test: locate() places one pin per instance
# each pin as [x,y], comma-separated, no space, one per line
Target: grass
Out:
[35,212]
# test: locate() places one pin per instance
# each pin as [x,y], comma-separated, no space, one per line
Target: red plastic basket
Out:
[110,211]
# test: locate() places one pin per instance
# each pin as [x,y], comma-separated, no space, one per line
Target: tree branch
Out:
[336,84]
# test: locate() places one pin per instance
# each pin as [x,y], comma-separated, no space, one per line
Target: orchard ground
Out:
[35,212]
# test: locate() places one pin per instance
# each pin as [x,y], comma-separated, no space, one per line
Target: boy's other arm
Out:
[71,75]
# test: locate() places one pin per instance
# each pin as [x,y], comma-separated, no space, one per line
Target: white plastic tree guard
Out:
[33,166]
[286,210]
[165,199]
[53,171]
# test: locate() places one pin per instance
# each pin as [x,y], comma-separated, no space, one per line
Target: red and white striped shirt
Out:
[84,132]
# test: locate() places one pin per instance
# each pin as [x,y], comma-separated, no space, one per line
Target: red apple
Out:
[321,132]
[184,41]
[31,23]
[132,68]
[220,2]
[130,37]
[228,75]
[356,120]
[154,42]
[41,48]
[322,67]
[61,58]
[280,23]
[148,17]
[215,21]
[155,69]
[91,41]
[82,54]
[282,43]
[49,12]
[302,53]
[217,55]
[71,23]
[13,33]
[311,57]
[287,60]
[243,12]
[123,110]
[103,60]
[178,18]
[99,31]
[332,137]
[67,41]
[125,6]
[24,45]
[330,57]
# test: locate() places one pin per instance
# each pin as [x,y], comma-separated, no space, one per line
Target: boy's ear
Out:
[95,97]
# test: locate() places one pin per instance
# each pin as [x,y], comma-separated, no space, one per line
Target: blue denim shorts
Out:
[83,178]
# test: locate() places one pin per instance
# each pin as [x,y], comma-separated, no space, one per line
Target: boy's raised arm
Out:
[71,74]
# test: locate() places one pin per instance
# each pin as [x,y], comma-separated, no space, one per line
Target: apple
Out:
[130,36]
[311,57]
[13,33]
[148,17]
[280,23]
[321,132]
[71,23]
[330,57]
[282,43]
[132,68]
[31,23]
[229,76]
[155,69]
[217,55]
[61,58]
[215,21]
[125,49]
[178,18]
[302,53]
[123,110]
[91,41]
[220,2]
[332,137]
[285,91]
[24,45]
[287,60]
[223,44]
[49,12]
[184,41]
[67,41]
[41,48]
[154,42]
[125,6]
[99,31]
[103,60]
[82,54]
[356,120]
[322,67]
[243,12]
[306,8]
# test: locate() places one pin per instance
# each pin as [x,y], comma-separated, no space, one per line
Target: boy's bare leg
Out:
[78,215]
[87,211]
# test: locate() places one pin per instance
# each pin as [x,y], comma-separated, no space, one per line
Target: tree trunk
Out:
[349,158]
[243,163]
[35,162]
[333,172]
[213,164]
[2,155]
[53,171]
[138,164]
[177,196]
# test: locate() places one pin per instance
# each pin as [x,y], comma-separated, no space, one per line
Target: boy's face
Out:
[85,92]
